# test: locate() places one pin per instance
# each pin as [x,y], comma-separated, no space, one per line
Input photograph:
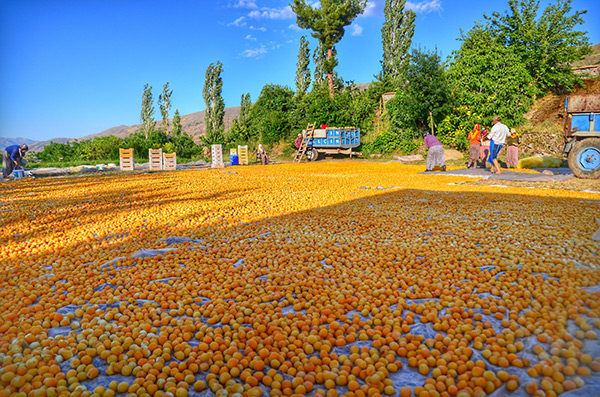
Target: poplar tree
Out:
[215,105]
[328,23]
[318,59]
[396,34]
[302,70]
[164,103]
[245,106]
[147,114]
[177,128]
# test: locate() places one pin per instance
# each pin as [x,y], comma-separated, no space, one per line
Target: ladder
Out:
[308,136]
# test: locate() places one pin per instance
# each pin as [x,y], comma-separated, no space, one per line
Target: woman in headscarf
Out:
[475,146]
[512,149]
[485,146]
[435,154]
[262,154]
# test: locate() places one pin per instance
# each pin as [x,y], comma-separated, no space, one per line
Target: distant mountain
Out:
[192,123]
[4,142]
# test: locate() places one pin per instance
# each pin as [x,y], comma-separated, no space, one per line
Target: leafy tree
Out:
[245,108]
[489,79]
[396,33]
[215,105]
[318,59]
[302,70]
[100,148]
[164,103]
[147,114]
[177,127]
[328,23]
[426,91]
[547,44]
[269,115]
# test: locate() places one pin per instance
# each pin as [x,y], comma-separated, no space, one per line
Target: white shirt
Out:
[499,133]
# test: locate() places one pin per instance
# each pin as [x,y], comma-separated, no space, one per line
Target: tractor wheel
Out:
[312,154]
[584,158]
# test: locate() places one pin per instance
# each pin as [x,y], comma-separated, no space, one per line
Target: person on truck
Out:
[13,156]
[474,146]
[435,155]
[498,136]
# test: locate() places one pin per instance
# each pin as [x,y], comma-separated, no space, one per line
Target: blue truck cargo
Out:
[334,140]
[582,135]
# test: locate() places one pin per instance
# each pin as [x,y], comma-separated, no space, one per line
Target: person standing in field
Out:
[262,155]
[435,155]
[498,136]
[485,146]
[474,146]
[512,149]
[13,156]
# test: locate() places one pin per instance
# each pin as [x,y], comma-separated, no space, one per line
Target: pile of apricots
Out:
[320,279]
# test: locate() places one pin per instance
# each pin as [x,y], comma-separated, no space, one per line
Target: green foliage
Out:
[215,105]
[59,151]
[328,23]
[454,129]
[106,147]
[177,127]
[269,115]
[396,34]
[164,103]
[545,44]
[147,113]
[488,79]
[302,70]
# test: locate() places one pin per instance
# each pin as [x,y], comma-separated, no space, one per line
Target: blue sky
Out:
[71,68]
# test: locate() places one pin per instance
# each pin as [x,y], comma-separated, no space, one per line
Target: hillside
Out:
[192,123]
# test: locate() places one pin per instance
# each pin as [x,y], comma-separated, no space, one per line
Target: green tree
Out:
[489,79]
[546,45]
[147,114]
[177,128]
[245,108]
[426,91]
[319,59]
[328,23]
[302,70]
[164,103]
[396,34]
[269,115]
[215,105]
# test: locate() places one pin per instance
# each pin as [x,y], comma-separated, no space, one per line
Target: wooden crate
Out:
[217,156]
[170,161]
[126,160]
[155,159]
[243,155]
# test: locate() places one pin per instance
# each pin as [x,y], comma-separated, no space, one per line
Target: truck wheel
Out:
[312,155]
[584,158]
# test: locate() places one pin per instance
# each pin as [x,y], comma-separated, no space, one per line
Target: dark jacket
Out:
[14,153]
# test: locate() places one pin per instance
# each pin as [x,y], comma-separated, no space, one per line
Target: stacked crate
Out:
[126,159]
[243,155]
[217,156]
[155,158]
[170,161]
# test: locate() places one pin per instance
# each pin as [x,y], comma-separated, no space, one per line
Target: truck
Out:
[332,140]
[582,135]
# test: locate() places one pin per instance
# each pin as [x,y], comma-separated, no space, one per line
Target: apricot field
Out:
[337,279]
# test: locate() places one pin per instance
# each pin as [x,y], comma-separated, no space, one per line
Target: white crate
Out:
[217,156]
[170,161]
[126,160]
[155,159]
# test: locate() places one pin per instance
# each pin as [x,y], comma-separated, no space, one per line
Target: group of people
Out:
[483,145]
[486,146]
[13,157]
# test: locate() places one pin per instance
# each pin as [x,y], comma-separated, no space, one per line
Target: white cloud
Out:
[240,22]
[272,13]
[371,9]
[249,37]
[244,4]
[253,53]
[425,7]
[294,27]
[260,29]
[356,30]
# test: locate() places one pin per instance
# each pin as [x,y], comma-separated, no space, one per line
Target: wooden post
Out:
[431,122]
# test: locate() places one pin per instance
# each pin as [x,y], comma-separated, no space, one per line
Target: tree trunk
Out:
[330,73]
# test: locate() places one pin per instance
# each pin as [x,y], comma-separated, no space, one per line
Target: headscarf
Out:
[260,148]
[513,133]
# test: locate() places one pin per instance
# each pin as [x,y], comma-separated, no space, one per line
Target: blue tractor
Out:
[582,135]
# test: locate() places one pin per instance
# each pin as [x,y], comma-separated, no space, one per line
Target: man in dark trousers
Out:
[13,156]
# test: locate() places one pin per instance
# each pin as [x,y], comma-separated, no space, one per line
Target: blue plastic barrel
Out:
[234,160]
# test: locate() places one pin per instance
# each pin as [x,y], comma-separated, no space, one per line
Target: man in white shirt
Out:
[497,137]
